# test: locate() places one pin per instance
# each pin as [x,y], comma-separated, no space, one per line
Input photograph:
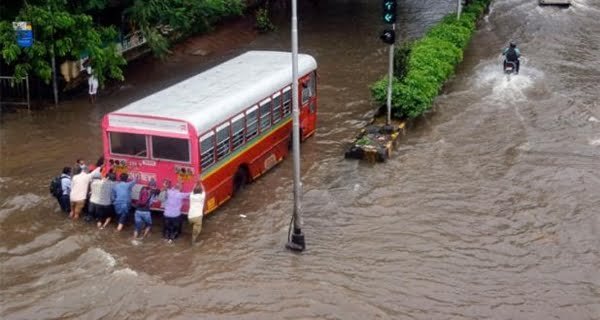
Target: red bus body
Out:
[226,126]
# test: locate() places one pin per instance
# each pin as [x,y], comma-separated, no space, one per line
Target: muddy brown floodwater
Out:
[489,209]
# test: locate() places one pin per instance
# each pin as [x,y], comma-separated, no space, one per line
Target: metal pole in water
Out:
[54,86]
[390,77]
[295,236]
[53,61]
[28,100]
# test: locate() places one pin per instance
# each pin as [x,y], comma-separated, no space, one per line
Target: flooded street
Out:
[488,209]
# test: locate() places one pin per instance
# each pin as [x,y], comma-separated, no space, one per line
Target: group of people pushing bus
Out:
[102,195]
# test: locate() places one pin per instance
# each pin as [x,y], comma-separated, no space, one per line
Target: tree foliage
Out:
[164,21]
[427,63]
[65,34]
[66,29]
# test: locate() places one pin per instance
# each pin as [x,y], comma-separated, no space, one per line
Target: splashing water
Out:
[505,88]
[594,142]
[105,256]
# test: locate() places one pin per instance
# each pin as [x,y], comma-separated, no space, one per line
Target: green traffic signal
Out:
[389,11]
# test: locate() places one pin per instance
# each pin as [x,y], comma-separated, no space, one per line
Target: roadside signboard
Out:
[24,33]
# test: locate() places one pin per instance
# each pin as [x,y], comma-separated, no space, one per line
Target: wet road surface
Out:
[487,210]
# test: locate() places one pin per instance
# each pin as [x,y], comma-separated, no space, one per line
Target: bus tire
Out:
[240,179]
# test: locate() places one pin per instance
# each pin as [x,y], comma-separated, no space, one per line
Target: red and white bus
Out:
[225,126]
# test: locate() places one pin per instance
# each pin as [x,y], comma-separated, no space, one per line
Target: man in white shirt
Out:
[196,212]
[80,184]
[93,85]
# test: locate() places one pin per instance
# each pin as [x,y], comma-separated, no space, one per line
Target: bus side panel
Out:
[308,109]
[105,143]
[218,187]
[259,159]
[266,153]
[270,152]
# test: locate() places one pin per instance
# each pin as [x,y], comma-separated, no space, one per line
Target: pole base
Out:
[297,241]
[387,129]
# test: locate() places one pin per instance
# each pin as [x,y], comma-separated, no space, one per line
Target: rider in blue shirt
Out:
[512,54]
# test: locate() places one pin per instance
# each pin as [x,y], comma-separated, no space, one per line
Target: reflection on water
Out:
[486,211]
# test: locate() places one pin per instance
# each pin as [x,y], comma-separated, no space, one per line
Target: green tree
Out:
[61,31]
[165,21]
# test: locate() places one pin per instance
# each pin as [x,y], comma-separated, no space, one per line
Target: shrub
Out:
[401,57]
[165,21]
[263,23]
[422,67]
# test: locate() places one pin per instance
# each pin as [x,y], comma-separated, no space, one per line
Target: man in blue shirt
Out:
[121,197]
[512,54]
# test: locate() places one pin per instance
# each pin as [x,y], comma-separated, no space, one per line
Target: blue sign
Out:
[24,33]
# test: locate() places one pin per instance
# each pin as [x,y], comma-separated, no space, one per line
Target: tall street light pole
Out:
[295,236]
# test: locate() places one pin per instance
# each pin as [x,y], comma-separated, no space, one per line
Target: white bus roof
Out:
[207,99]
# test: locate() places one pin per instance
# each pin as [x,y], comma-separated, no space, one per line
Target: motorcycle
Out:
[510,67]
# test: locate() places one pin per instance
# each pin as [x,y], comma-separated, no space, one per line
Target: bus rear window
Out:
[170,149]
[128,144]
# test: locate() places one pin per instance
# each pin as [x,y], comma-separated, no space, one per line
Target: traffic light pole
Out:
[389,37]
[295,236]
[390,77]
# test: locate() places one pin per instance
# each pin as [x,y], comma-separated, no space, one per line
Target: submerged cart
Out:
[375,142]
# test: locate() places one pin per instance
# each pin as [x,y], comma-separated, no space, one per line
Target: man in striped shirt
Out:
[100,201]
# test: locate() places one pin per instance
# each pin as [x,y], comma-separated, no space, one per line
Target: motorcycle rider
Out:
[512,54]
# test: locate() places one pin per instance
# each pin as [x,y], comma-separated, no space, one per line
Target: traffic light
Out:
[389,11]
[388,36]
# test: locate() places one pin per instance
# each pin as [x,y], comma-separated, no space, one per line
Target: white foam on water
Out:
[505,88]
[486,18]
[584,6]
[105,256]
[21,202]
[524,147]
[594,142]
[125,272]
[593,119]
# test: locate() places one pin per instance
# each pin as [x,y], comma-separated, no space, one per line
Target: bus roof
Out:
[207,99]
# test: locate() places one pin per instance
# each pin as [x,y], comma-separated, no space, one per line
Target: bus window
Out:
[265,115]
[309,90]
[166,148]
[237,128]
[207,149]
[251,123]
[276,108]
[128,144]
[222,141]
[287,101]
